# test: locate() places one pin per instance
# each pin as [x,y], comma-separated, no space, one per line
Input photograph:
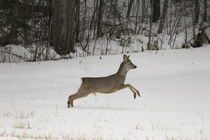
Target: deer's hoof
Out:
[138,93]
[134,95]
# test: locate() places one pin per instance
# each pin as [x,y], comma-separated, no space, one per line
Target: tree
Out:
[155,10]
[196,12]
[100,18]
[129,8]
[14,21]
[205,11]
[163,16]
[64,23]
[143,7]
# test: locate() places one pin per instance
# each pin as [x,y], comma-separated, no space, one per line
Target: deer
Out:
[105,85]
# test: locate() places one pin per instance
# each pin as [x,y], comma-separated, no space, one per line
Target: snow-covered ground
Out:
[174,102]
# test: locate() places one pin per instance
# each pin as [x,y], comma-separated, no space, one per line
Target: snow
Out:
[174,102]
[17,53]
[14,53]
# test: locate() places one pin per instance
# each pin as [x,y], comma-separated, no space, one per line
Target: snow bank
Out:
[14,53]
[174,102]
[18,53]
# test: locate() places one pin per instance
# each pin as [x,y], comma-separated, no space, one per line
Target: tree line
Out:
[63,23]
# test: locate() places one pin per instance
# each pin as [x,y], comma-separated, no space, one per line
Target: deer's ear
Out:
[125,57]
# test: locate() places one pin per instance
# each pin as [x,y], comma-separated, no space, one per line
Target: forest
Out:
[57,29]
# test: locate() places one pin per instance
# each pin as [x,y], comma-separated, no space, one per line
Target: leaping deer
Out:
[106,85]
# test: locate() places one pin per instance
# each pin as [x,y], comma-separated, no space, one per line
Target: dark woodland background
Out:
[64,24]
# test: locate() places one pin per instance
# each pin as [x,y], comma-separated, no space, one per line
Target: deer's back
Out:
[107,84]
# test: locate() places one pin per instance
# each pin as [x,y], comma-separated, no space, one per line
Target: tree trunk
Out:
[155,10]
[64,26]
[100,19]
[143,7]
[129,8]
[137,15]
[163,16]
[197,10]
[150,34]
[205,11]
[77,36]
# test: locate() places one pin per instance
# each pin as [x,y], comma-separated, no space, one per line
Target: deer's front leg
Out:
[131,88]
[137,92]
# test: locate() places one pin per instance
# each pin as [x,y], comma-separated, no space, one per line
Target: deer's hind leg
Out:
[70,101]
[82,92]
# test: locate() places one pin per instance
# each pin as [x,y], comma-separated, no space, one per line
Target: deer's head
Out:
[127,63]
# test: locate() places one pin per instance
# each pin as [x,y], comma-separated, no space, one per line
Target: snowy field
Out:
[174,102]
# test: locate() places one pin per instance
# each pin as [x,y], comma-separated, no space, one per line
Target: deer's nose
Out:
[135,67]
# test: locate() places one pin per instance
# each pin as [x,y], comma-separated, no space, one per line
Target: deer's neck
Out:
[122,70]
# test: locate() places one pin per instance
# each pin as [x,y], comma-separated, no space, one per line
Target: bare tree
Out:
[129,8]
[100,18]
[163,16]
[196,12]
[77,32]
[205,11]
[143,7]
[155,10]
[64,26]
